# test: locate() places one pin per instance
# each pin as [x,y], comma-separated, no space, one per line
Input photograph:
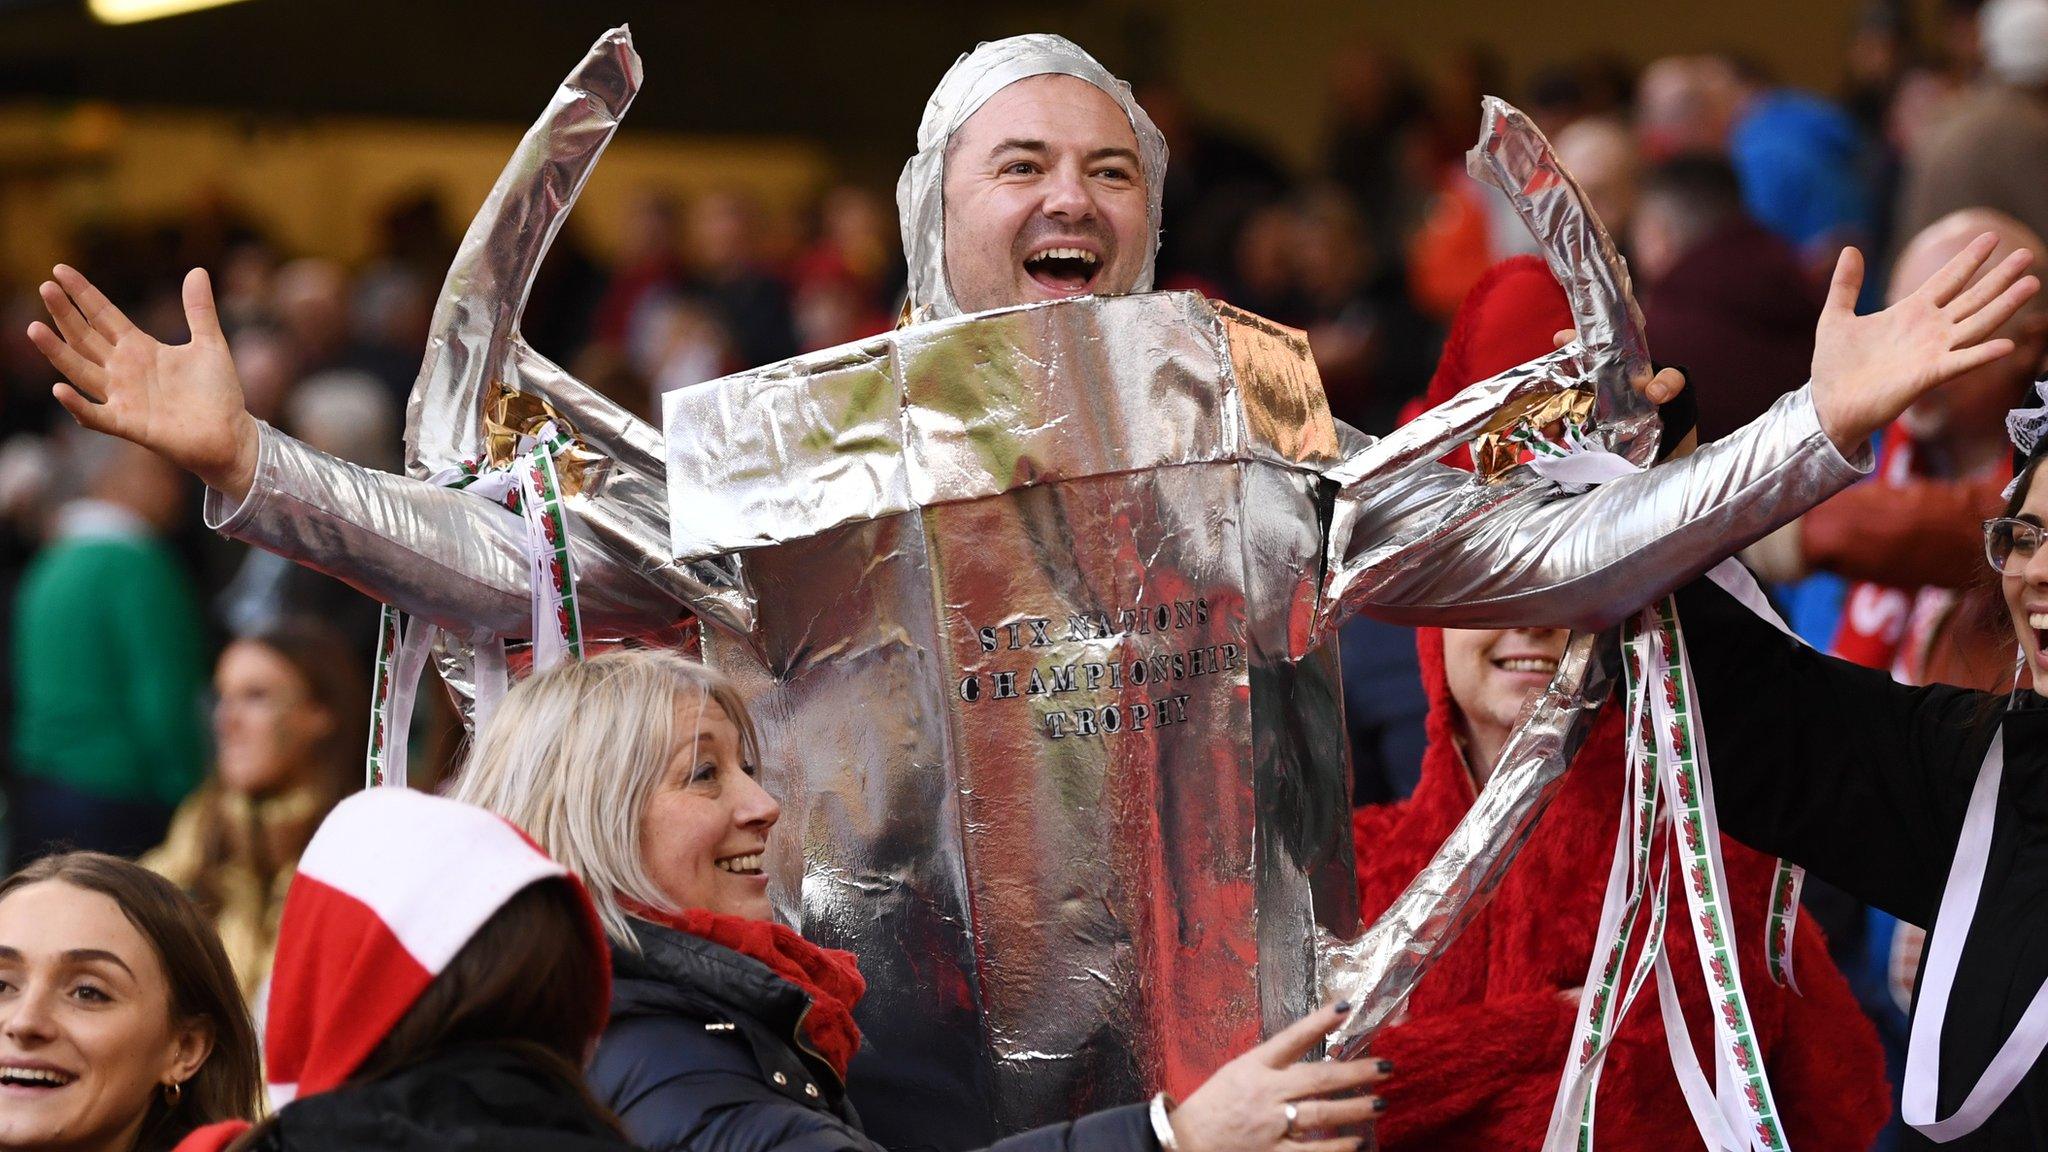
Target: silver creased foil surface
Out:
[1377,971]
[450,558]
[1031,617]
[967,85]
[474,347]
[1442,547]
[455,560]
[1369,546]
[1514,156]
[1033,587]
[981,405]
[985,549]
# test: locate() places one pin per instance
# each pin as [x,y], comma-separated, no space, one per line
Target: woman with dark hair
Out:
[1927,802]
[439,984]
[288,728]
[120,1026]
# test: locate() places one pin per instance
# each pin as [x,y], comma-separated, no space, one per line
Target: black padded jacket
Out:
[705,1053]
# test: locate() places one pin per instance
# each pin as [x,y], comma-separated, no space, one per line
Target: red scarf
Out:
[831,978]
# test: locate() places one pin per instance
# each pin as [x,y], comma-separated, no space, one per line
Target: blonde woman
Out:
[638,771]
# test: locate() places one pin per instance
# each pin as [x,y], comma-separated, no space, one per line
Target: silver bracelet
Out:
[1162,1125]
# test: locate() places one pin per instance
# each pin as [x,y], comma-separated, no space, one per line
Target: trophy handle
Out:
[474,335]
[476,355]
[1514,156]
[1376,971]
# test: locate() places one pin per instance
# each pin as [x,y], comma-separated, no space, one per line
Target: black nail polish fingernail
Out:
[1385,1066]
[1342,1007]
[1379,1105]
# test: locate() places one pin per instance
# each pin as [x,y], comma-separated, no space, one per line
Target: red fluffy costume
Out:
[1480,1051]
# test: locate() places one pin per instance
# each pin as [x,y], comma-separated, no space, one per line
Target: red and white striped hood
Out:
[391,887]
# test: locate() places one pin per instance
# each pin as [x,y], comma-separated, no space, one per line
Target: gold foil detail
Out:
[510,415]
[1493,453]
[1282,391]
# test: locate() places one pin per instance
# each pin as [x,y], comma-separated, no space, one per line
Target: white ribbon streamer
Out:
[1723,1110]
[1732,1099]
[1573,1115]
[416,640]
[405,642]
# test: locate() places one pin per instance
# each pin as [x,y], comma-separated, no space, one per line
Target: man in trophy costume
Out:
[1033,595]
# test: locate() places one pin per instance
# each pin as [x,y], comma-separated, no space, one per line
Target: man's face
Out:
[1044,199]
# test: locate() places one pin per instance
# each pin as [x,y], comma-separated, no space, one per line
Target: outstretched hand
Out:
[1243,1107]
[1868,369]
[181,401]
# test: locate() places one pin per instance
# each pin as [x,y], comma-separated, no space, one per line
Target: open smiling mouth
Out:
[15,1076]
[748,865]
[1540,665]
[1068,271]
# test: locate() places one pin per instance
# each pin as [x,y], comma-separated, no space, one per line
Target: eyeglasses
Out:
[2005,538]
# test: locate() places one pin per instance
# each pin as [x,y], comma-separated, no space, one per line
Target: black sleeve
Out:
[719,1111]
[1126,1129]
[1829,764]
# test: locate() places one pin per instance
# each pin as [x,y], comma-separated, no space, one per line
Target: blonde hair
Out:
[573,754]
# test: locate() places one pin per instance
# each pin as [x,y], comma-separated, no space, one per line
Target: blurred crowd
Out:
[1731,193]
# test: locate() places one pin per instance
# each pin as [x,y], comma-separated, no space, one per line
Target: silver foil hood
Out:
[967,85]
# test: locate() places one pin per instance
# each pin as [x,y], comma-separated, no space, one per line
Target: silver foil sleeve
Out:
[1443,547]
[451,558]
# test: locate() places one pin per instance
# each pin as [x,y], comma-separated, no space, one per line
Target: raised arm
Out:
[1433,545]
[1445,548]
[451,558]
[454,559]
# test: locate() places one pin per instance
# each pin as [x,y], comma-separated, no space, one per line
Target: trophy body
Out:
[1031,665]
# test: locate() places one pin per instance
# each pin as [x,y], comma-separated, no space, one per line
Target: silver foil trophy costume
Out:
[1034,606]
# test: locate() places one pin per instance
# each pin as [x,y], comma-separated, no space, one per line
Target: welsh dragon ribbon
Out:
[1669,793]
[531,485]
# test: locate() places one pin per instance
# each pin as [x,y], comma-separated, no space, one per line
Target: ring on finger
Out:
[1293,1113]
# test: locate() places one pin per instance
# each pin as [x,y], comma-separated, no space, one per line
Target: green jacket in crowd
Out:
[109,665]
